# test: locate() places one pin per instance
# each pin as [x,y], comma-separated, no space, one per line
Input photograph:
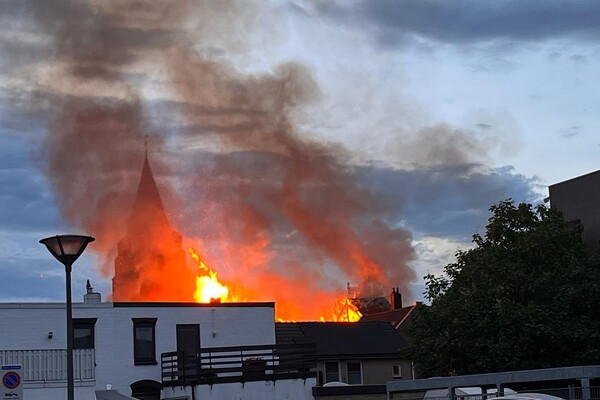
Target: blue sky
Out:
[425,112]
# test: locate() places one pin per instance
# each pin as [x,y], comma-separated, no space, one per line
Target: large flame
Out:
[344,310]
[208,287]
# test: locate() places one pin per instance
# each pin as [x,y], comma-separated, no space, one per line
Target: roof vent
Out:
[90,296]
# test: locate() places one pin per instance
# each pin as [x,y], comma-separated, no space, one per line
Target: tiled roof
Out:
[397,317]
[342,338]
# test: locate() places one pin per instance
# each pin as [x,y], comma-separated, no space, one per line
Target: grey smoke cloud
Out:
[233,167]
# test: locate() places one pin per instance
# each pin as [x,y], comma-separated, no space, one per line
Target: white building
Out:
[138,349]
[153,350]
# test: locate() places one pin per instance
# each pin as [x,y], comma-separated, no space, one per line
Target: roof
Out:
[578,178]
[371,305]
[372,338]
[397,317]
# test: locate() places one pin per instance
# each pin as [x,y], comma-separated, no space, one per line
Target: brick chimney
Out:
[395,299]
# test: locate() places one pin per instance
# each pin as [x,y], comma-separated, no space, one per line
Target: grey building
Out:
[579,201]
[360,353]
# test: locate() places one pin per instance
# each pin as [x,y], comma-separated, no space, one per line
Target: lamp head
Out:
[66,248]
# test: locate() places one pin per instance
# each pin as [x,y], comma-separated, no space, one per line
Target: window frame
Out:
[139,359]
[359,369]
[87,323]
[337,363]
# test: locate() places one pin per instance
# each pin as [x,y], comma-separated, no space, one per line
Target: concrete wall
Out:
[382,396]
[290,389]
[380,371]
[25,326]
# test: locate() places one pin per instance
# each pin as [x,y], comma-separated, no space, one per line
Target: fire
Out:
[210,289]
[208,286]
[345,311]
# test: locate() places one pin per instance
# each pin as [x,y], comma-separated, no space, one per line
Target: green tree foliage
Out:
[525,296]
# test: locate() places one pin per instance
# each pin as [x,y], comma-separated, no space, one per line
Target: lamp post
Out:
[67,249]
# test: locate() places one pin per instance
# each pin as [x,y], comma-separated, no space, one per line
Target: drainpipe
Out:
[451,394]
[585,388]
[500,390]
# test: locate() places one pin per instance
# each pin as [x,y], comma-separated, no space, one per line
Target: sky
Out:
[333,141]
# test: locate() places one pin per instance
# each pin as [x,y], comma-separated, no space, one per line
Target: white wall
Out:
[289,389]
[25,326]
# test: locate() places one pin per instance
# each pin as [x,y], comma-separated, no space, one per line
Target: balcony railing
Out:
[238,364]
[51,365]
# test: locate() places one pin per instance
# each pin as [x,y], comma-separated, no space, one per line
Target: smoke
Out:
[281,217]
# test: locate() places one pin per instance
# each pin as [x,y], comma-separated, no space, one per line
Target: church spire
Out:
[147,204]
[150,263]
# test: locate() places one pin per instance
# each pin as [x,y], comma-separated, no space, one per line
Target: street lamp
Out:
[67,249]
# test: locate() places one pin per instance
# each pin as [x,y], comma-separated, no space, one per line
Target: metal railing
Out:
[51,365]
[238,364]
[569,393]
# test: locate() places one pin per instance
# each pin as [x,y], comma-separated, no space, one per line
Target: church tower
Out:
[150,263]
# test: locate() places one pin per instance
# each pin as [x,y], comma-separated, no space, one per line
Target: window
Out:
[396,371]
[144,341]
[332,372]
[146,389]
[83,333]
[354,373]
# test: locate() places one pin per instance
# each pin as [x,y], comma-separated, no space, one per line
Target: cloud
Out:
[579,58]
[571,132]
[395,22]
[447,201]
[26,202]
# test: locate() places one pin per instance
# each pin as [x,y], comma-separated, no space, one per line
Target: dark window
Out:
[83,333]
[332,372]
[396,371]
[354,373]
[188,339]
[144,341]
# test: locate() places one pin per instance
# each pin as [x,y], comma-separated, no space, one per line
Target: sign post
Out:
[12,382]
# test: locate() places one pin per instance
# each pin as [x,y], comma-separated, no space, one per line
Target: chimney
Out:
[395,299]
[90,296]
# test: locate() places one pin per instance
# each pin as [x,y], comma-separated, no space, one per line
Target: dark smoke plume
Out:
[284,218]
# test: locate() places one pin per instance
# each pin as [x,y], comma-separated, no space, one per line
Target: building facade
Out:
[122,346]
[353,360]
[579,201]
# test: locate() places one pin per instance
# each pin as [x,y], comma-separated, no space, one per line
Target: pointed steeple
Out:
[150,263]
[147,204]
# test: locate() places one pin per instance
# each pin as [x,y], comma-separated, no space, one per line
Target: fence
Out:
[51,365]
[238,364]
[571,392]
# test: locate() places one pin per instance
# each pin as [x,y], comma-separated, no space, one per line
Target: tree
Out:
[525,296]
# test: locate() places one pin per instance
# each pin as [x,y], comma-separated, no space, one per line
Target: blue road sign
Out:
[11,380]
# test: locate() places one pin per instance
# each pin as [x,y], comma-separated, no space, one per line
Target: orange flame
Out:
[208,286]
[345,311]
[210,289]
